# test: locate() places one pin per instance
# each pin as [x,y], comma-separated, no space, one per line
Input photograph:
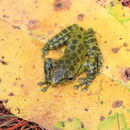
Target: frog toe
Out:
[81,80]
[41,83]
[44,89]
[84,89]
[76,87]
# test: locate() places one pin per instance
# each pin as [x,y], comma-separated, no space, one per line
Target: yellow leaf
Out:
[21,65]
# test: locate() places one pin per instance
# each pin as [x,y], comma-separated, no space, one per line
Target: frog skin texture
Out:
[82,54]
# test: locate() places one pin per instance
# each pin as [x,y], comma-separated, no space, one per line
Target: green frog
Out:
[82,54]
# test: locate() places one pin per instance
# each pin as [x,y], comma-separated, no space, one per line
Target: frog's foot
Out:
[85,88]
[81,80]
[85,81]
[41,83]
[82,83]
[44,89]
[77,86]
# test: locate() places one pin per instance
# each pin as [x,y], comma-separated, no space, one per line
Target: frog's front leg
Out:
[60,39]
[48,73]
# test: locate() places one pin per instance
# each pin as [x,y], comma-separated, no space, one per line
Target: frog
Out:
[82,54]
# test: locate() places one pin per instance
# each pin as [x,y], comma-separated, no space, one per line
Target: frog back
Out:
[75,52]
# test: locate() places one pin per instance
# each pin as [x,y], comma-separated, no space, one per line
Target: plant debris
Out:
[9,121]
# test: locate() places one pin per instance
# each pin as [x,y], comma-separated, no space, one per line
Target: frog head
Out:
[61,75]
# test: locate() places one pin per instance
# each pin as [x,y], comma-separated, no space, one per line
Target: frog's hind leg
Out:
[94,63]
[48,70]
[92,69]
[59,40]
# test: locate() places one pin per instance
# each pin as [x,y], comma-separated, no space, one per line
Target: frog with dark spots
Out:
[80,44]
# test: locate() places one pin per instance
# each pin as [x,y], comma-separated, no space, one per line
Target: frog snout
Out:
[56,80]
[58,75]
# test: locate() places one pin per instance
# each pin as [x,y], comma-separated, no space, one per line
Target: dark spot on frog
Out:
[62,5]
[80,17]
[86,109]
[68,61]
[79,36]
[72,47]
[94,48]
[70,119]
[127,73]
[81,29]
[0,80]
[61,61]
[125,44]
[75,41]
[117,103]
[74,62]
[78,50]
[115,50]
[92,40]
[71,67]
[5,101]
[102,118]
[70,28]
[77,59]
[74,54]
[87,45]
[11,94]
[3,62]
[65,31]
